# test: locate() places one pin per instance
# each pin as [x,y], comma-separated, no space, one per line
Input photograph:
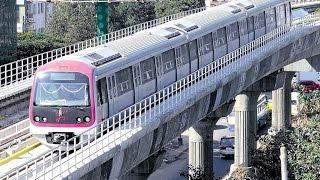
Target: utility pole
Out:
[102,10]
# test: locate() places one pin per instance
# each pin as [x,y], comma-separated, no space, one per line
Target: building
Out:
[8,31]
[33,15]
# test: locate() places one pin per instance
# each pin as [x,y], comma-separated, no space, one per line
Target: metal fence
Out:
[303,1]
[115,130]
[23,69]
[13,130]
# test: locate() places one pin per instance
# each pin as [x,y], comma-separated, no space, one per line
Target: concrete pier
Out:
[201,149]
[281,104]
[245,127]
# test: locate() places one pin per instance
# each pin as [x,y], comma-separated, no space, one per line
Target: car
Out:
[309,85]
[226,147]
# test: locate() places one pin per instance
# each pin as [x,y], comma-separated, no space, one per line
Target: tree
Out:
[32,43]
[123,15]
[73,22]
[167,7]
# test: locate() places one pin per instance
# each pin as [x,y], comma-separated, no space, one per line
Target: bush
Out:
[31,43]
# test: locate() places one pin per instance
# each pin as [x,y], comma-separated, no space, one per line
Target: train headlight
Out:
[79,120]
[44,119]
[37,118]
[87,119]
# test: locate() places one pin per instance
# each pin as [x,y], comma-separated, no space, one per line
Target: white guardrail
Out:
[58,163]
[23,69]
[294,2]
[12,131]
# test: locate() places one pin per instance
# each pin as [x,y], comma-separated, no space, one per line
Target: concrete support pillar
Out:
[281,104]
[245,127]
[201,149]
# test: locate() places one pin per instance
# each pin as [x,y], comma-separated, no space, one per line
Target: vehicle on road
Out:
[226,147]
[309,85]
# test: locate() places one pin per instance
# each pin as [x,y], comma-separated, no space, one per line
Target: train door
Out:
[144,79]
[200,51]
[233,37]
[220,43]
[166,69]
[193,53]
[102,100]
[182,61]
[205,50]
[270,20]
[112,94]
[250,22]
[259,25]
[243,32]
[137,81]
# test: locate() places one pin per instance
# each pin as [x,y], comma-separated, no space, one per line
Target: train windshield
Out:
[62,89]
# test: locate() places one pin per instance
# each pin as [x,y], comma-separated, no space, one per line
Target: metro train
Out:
[75,92]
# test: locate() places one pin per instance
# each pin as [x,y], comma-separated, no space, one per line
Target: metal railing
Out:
[294,2]
[12,131]
[115,130]
[23,69]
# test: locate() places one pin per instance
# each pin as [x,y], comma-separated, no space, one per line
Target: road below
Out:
[177,158]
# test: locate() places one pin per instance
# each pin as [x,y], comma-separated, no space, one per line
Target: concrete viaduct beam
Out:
[311,64]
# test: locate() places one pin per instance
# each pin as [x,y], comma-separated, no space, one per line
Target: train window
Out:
[124,81]
[270,16]
[250,24]
[220,37]
[243,30]
[259,21]
[232,31]
[207,39]
[193,49]
[101,90]
[147,70]
[280,15]
[168,60]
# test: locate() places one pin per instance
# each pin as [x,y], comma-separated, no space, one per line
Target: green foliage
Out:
[304,151]
[32,43]
[123,15]
[167,7]
[73,22]
[317,10]
[266,159]
[309,101]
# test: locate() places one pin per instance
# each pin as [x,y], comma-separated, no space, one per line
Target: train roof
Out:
[145,44]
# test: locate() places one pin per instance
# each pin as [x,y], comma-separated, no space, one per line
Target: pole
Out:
[283,159]
[102,10]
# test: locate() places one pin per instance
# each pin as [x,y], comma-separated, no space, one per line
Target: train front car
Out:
[61,104]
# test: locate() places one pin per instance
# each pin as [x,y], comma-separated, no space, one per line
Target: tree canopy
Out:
[73,22]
